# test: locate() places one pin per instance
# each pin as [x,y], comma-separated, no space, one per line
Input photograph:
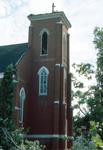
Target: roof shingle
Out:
[11,54]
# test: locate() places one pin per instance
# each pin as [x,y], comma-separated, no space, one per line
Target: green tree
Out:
[11,138]
[6,106]
[92,96]
[6,98]
[98,41]
[82,94]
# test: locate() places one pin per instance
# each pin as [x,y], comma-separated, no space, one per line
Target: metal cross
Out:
[53,6]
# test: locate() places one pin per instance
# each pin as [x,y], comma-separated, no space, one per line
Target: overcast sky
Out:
[84,16]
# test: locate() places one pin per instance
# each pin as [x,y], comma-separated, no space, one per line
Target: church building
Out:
[43,91]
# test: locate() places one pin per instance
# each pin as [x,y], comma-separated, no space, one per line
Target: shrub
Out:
[81,143]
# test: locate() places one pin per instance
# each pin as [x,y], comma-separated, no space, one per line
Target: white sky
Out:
[84,16]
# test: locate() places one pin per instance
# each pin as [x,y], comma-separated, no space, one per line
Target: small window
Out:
[22,97]
[44,43]
[43,81]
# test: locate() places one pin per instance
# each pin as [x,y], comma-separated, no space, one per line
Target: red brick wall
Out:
[46,114]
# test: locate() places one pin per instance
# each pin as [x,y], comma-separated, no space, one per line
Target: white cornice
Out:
[51,16]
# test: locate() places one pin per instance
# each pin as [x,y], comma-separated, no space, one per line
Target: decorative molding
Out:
[56,102]
[57,65]
[43,68]
[17,108]
[60,14]
[46,136]
[22,97]
[44,30]
[22,93]
[43,54]
[60,22]
[42,85]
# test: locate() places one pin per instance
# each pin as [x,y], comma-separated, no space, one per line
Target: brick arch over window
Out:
[44,41]
[22,97]
[43,80]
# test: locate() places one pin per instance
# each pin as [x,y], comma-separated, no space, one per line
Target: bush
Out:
[81,143]
[14,141]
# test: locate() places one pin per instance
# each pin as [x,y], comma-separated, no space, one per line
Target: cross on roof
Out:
[53,6]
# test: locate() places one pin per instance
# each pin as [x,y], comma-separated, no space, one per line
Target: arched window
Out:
[22,97]
[44,41]
[43,80]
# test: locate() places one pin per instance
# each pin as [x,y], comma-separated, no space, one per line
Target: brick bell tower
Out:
[50,114]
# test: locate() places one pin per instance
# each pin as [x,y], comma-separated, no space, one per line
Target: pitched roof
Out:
[11,54]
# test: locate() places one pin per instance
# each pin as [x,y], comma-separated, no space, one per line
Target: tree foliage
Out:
[81,143]
[98,41]
[11,138]
[6,106]
[91,96]
[6,99]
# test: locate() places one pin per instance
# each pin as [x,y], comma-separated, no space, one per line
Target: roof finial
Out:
[53,6]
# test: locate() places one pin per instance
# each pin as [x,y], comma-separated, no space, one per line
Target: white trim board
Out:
[46,136]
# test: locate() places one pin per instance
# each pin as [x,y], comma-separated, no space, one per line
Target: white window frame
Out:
[41,35]
[22,97]
[43,78]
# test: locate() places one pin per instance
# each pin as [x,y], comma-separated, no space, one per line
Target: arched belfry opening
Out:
[44,43]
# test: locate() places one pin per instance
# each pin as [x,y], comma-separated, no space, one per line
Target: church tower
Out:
[49,110]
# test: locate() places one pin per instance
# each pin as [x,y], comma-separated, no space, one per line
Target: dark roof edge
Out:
[14,44]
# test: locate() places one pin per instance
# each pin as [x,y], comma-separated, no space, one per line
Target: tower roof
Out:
[52,15]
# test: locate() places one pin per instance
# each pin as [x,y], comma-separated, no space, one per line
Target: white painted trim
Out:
[50,16]
[57,65]
[46,136]
[56,102]
[39,73]
[44,30]
[43,54]
[41,34]
[22,97]
[21,58]
[22,93]
[43,68]
[17,108]
[60,22]
[64,103]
